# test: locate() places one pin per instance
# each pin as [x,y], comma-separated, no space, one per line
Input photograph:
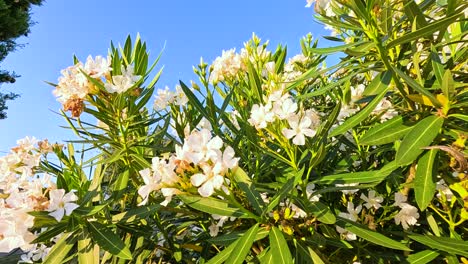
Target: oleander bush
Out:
[266,158]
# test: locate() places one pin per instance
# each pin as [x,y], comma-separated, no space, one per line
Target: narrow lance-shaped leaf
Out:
[378,84]
[371,236]
[223,255]
[108,240]
[424,31]
[421,135]
[416,86]
[243,247]
[214,206]
[422,257]
[448,84]
[450,245]
[60,250]
[279,247]
[246,185]
[424,181]
[384,133]
[287,187]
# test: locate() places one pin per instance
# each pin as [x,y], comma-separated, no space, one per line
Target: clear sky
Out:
[190,29]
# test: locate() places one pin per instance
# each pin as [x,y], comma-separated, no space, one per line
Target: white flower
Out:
[121,83]
[204,124]
[36,253]
[372,200]
[208,181]
[444,189]
[61,203]
[200,147]
[163,99]
[72,84]
[310,188]
[226,66]
[352,215]
[407,216]
[260,116]
[299,129]
[285,109]
[309,3]
[97,68]
[346,234]
[400,199]
[352,212]
[151,184]
[180,98]
[214,229]
[226,160]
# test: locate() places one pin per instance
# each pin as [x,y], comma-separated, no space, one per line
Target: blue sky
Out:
[190,29]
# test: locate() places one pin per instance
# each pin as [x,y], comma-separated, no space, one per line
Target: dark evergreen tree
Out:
[15,21]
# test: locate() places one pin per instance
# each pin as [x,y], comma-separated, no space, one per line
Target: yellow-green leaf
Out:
[213,206]
[243,247]
[279,247]
[422,257]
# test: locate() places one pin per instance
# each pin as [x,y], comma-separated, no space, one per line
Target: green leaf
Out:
[223,255]
[369,235]
[317,209]
[446,244]
[50,233]
[254,81]
[362,114]
[358,177]
[335,49]
[424,31]
[417,87]
[384,133]
[227,239]
[213,206]
[283,192]
[86,252]
[90,210]
[460,116]
[60,250]
[421,135]
[121,183]
[448,84]
[246,185]
[330,86]
[194,100]
[378,84]
[305,254]
[422,257]
[279,247]
[135,214]
[424,181]
[108,240]
[414,13]
[437,66]
[242,248]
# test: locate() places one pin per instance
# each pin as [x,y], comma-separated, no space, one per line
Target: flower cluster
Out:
[22,192]
[166,97]
[280,105]
[73,86]
[199,162]
[227,66]
[408,215]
